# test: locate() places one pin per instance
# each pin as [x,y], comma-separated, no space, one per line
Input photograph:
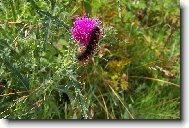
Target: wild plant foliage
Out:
[132,72]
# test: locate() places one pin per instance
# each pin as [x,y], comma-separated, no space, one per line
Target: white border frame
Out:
[183,123]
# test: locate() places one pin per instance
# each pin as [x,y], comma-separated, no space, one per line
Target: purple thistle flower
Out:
[82,29]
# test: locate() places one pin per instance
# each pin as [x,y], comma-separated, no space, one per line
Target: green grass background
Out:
[134,74]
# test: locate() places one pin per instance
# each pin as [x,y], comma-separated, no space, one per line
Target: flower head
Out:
[82,29]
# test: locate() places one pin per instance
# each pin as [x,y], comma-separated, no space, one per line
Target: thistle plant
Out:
[83,27]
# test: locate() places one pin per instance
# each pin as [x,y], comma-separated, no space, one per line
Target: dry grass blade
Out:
[21,92]
[121,102]
[155,79]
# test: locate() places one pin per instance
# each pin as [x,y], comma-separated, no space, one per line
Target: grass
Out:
[134,74]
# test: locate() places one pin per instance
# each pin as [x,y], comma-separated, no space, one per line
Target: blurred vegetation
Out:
[134,74]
